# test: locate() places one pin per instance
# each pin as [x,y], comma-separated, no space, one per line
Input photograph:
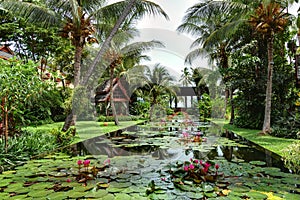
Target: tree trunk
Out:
[5,122]
[111,97]
[267,118]
[106,43]
[232,105]
[71,118]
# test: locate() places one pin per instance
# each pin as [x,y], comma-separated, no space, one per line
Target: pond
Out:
[171,159]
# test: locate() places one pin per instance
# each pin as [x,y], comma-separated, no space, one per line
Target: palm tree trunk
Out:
[71,118]
[267,118]
[111,96]
[106,43]
[232,106]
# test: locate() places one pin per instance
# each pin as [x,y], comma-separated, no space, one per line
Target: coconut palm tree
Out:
[158,85]
[77,18]
[121,58]
[269,19]
[185,79]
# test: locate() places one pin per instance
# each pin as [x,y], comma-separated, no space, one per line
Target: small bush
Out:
[291,157]
[287,126]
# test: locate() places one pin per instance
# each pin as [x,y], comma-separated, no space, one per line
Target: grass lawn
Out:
[86,129]
[271,143]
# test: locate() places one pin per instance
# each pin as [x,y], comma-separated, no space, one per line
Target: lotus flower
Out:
[79,162]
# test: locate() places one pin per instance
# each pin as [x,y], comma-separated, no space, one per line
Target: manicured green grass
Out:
[271,143]
[90,129]
[86,129]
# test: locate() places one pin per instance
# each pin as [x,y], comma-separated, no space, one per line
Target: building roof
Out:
[119,91]
[5,52]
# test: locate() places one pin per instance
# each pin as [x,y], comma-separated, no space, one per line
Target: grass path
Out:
[274,144]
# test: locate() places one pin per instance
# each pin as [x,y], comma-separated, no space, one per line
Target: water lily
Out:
[217,166]
[79,162]
[86,163]
[196,161]
[191,166]
[186,168]
[107,161]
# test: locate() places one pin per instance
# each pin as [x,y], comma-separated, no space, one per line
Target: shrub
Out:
[291,157]
[287,126]
[24,146]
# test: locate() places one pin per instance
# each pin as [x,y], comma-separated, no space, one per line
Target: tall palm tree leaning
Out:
[76,17]
[269,19]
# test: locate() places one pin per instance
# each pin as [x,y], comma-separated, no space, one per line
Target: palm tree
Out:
[122,57]
[158,84]
[77,17]
[269,19]
[214,24]
[185,79]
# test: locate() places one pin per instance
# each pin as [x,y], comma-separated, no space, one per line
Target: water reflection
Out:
[166,144]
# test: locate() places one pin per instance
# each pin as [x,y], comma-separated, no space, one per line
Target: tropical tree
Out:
[214,24]
[123,58]
[269,19]
[185,79]
[20,89]
[77,19]
[158,86]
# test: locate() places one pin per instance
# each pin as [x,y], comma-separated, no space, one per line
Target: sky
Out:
[177,45]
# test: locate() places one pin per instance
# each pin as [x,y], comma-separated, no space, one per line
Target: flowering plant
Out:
[196,170]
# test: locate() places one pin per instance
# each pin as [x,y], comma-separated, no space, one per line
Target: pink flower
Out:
[68,180]
[196,161]
[79,162]
[191,159]
[207,165]
[86,163]
[217,166]
[192,166]
[107,161]
[163,179]
[201,162]
[186,168]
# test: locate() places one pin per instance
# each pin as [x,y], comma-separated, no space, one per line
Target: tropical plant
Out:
[20,89]
[269,19]
[77,19]
[291,157]
[158,86]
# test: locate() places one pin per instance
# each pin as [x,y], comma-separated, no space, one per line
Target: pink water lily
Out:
[86,163]
[79,162]
[192,166]
[107,161]
[186,168]
[217,166]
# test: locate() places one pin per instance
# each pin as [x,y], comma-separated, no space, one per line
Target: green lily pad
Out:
[96,194]
[108,197]
[257,162]
[57,196]
[122,196]
[39,193]
[194,195]
[256,195]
